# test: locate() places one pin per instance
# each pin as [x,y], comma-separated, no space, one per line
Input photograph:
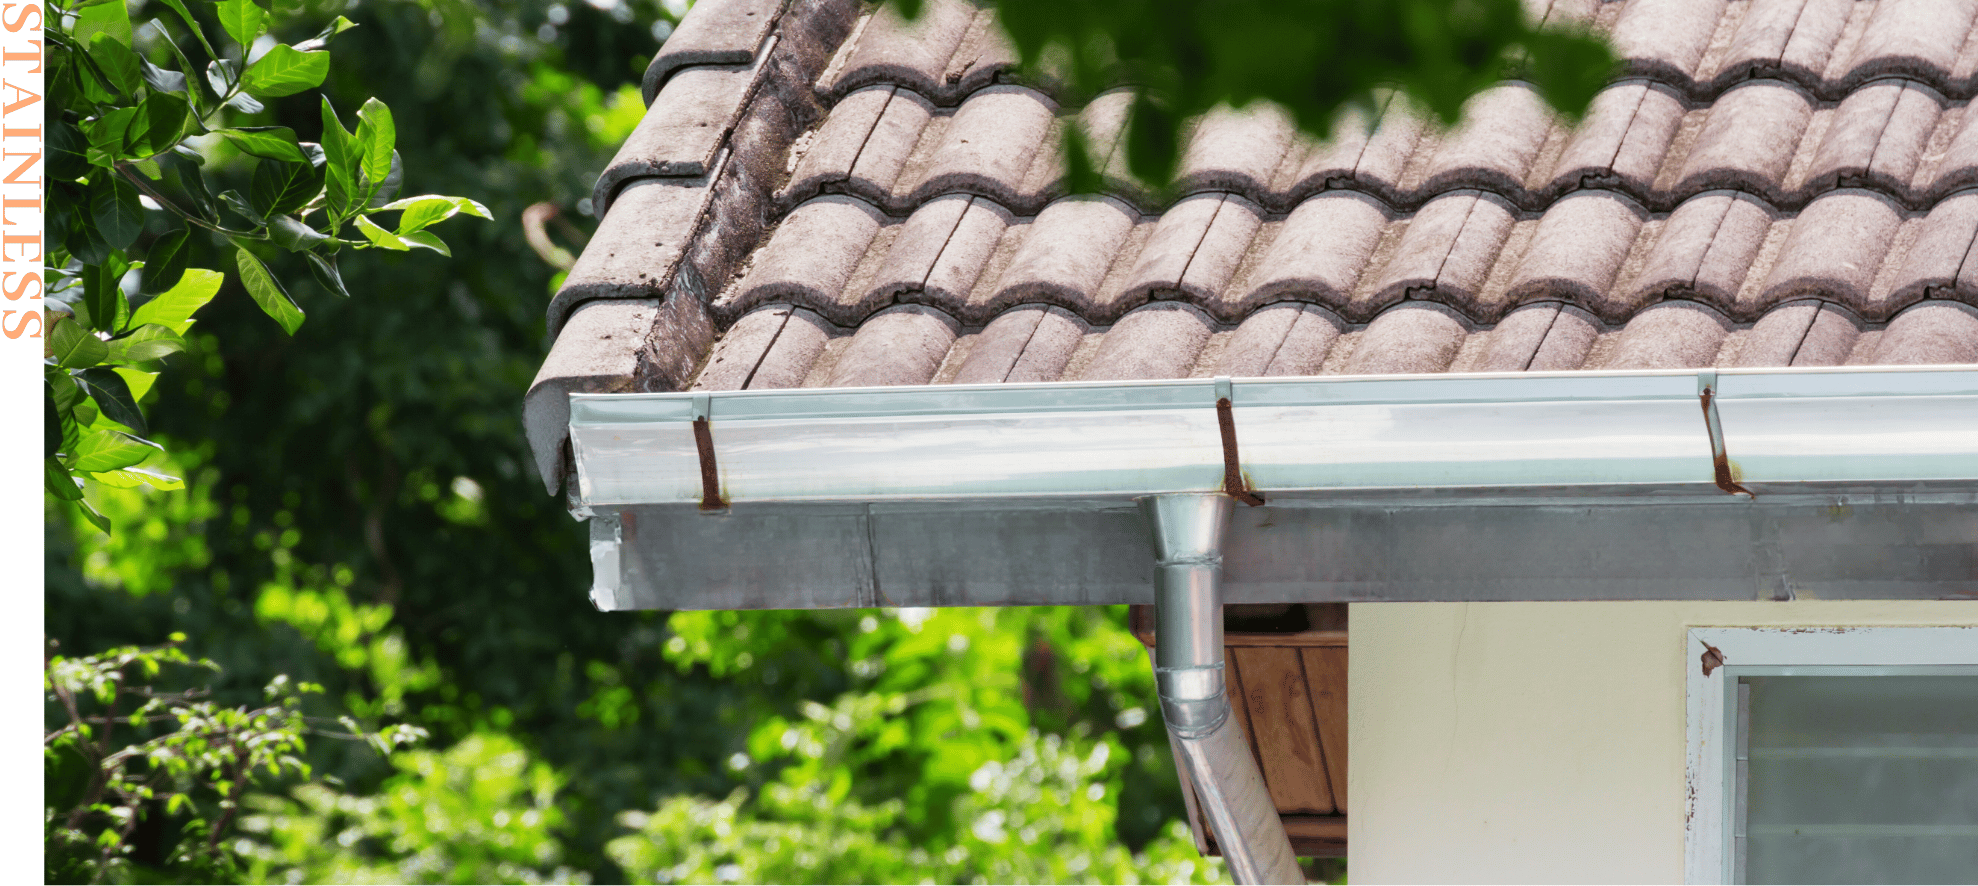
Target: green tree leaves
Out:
[376,136]
[268,292]
[173,309]
[74,347]
[339,154]
[285,71]
[279,187]
[119,127]
[118,64]
[266,142]
[243,20]
[148,741]
[109,450]
[114,208]
[150,129]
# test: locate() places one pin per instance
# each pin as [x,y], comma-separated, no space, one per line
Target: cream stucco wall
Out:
[1537,742]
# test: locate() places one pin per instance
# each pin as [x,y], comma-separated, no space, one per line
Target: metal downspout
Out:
[1188,674]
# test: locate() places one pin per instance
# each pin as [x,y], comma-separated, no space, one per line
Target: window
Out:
[1840,755]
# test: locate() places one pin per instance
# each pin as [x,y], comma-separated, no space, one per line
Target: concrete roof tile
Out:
[1932,333]
[811,256]
[1066,253]
[683,130]
[1955,164]
[987,147]
[830,157]
[1786,38]
[1540,337]
[902,345]
[1194,250]
[1623,140]
[1286,338]
[1579,247]
[770,347]
[1494,147]
[1666,37]
[889,49]
[1834,251]
[1669,335]
[1943,255]
[1704,250]
[1919,38]
[1160,340]
[1748,140]
[1411,337]
[1235,150]
[1031,343]
[1801,333]
[1876,137]
[1319,251]
[725,33]
[1380,158]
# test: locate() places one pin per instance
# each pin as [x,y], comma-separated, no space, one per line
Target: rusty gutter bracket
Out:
[704,442]
[1233,481]
[1720,459]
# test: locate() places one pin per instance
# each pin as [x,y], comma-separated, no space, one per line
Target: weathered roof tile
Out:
[1834,250]
[1944,256]
[987,147]
[1319,251]
[1411,337]
[1786,38]
[1540,337]
[1493,148]
[1748,140]
[1954,164]
[1579,247]
[1287,338]
[1623,140]
[1031,343]
[811,255]
[728,34]
[1160,340]
[1919,38]
[1931,333]
[1669,335]
[889,49]
[1231,150]
[1666,38]
[1801,333]
[1066,253]
[1704,250]
[1876,137]
[902,345]
[770,347]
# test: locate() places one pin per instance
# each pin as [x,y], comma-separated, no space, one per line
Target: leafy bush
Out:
[131,749]
[482,811]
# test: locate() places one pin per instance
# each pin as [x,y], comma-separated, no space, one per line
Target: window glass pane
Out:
[1862,780]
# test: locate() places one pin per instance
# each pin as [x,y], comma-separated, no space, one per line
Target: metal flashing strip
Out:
[1777,430]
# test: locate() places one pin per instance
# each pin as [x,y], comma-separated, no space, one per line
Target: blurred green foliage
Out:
[1313,58]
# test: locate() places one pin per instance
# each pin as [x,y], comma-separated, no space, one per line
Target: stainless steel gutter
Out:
[1756,431]
[1187,531]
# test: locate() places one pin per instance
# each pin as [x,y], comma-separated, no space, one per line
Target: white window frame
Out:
[1789,651]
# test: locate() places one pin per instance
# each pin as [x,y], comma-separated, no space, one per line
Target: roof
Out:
[824,195]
